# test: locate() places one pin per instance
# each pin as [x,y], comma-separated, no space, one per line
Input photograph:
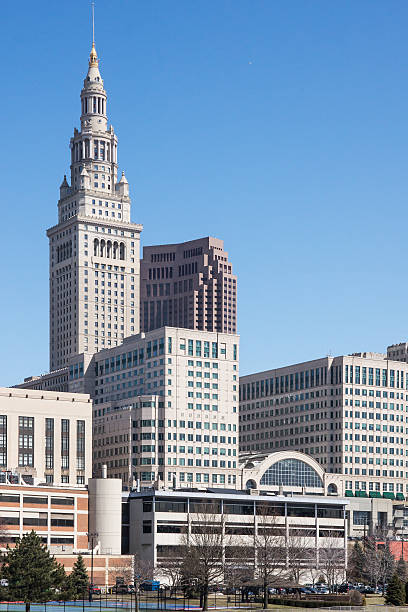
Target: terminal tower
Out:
[94,248]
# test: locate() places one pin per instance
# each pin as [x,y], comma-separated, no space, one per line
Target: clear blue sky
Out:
[280,127]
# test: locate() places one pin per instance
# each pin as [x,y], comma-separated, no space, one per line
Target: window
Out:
[26,441]
[80,445]
[3,440]
[361,517]
[65,444]
[292,472]
[49,444]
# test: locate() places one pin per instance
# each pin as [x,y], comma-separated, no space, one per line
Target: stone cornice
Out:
[133,227]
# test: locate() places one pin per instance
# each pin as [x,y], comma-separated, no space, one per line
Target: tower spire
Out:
[93,58]
[93,23]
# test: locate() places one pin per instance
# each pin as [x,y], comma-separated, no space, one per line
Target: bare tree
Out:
[386,563]
[239,573]
[172,569]
[332,560]
[270,554]
[143,570]
[204,551]
[300,556]
[371,560]
[121,572]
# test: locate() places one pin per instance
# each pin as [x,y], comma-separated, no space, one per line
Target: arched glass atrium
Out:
[291,472]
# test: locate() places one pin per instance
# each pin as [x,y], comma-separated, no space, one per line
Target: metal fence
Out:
[160,601]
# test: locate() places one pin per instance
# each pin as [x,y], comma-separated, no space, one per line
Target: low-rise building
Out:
[160,521]
[59,515]
[369,512]
[70,520]
[46,435]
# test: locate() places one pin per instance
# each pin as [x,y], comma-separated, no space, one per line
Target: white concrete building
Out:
[348,412]
[160,521]
[45,435]
[94,248]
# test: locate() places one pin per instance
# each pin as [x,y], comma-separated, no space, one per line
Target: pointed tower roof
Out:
[93,76]
[123,179]
[64,182]
[93,56]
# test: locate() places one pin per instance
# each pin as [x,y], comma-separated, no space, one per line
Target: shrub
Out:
[356,598]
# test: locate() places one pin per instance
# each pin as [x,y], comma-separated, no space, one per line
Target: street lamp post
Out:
[92,535]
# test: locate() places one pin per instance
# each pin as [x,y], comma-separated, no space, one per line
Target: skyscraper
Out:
[94,248]
[189,285]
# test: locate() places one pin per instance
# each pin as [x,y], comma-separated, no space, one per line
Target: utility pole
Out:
[92,535]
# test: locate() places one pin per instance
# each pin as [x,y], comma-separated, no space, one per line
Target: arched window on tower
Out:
[115,250]
[122,250]
[102,248]
[96,247]
[109,249]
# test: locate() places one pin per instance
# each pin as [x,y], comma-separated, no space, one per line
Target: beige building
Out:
[189,285]
[57,380]
[45,435]
[347,412]
[166,408]
[94,248]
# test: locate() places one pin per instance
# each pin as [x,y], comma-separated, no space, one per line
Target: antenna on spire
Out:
[93,22]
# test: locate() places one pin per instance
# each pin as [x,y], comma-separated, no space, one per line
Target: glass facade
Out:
[291,472]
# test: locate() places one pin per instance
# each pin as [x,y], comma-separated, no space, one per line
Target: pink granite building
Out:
[189,285]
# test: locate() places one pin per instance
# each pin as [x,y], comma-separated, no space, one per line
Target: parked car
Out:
[94,589]
[367,590]
[322,590]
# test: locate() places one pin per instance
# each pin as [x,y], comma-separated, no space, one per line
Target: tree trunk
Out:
[265,595]
[136,601]
[27,606]
[205,597]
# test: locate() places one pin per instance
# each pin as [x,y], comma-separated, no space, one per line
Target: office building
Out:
[46,435]
[189,285]
[293,473]
[347,412]
[160,521]
[398,352]
[165,407]
[94,248]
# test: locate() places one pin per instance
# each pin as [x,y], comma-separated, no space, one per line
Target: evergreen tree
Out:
[33,574]
[395,595]
[401,570]
[356,565]
[78,581]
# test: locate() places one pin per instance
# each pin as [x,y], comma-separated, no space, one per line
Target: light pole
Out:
[91,535]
